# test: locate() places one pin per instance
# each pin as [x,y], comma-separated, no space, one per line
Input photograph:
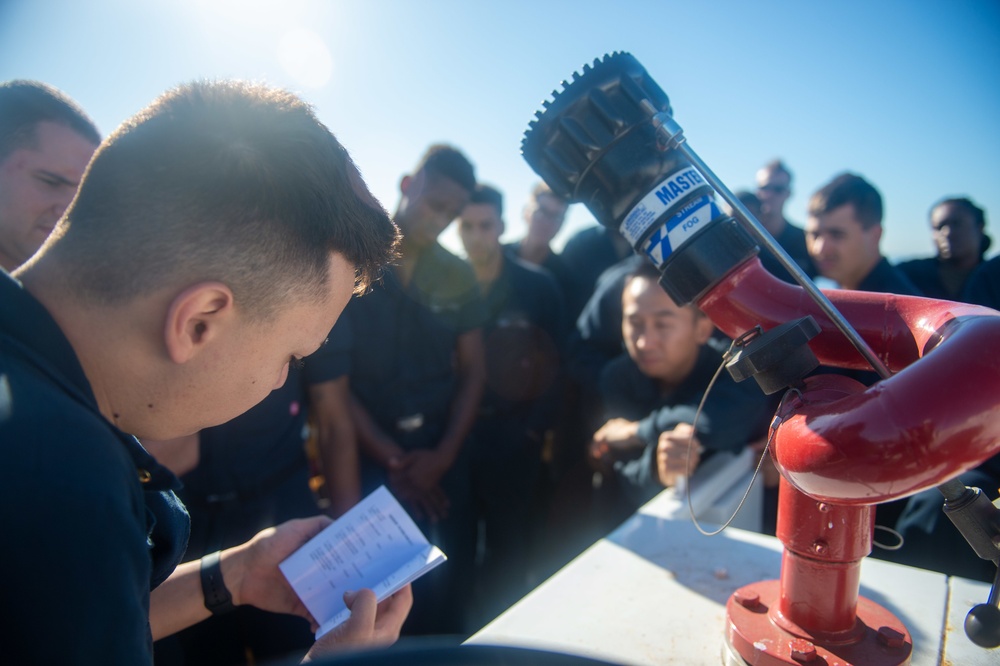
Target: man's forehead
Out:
[841,217]
[648,290]
[666,312]
[767,175]
[439,182]
[53,132]
[62,152]
[550,202]
[951,211]
[653,308]
[480,213]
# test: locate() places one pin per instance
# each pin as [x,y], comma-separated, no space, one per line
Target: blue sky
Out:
[906,93]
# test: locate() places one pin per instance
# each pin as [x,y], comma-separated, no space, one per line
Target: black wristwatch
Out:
[218,600]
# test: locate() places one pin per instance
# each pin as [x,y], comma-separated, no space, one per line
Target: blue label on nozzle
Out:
[660,201]
[680,228]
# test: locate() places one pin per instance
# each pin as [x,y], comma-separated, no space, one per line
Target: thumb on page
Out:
[362,604]
[358,631]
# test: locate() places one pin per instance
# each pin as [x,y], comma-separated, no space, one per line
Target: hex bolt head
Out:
[747,599]
[801,650]
[890,637]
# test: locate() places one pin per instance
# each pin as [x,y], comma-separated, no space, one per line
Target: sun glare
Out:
[305,57]
[263,34]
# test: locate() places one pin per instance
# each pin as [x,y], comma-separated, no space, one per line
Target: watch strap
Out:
[218,600]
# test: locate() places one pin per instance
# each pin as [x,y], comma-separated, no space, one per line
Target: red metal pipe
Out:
[818,599]
[820,567]
[924,425]
[896,327]
[842,447]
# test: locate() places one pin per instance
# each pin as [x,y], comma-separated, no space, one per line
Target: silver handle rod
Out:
[671,136]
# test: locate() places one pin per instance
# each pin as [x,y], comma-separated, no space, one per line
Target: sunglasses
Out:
[776,189]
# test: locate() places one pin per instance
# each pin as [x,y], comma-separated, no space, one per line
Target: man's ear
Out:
[876,231]
[404,184]
[195,317]
[703,329]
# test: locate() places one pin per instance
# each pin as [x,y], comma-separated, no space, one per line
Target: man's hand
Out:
[615,437]
[432,504]
[369,625]
[424,468]
[678,453]
[250,572]
[251,569]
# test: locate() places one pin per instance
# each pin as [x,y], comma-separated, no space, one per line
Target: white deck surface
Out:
[654,592]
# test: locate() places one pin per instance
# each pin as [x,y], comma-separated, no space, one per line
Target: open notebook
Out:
[374,545]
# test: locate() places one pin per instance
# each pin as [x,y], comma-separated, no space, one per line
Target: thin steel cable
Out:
[694,428]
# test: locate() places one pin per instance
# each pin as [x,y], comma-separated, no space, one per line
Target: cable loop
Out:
[740,341]
[899,539]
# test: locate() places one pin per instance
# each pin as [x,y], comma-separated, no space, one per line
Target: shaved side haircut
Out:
[221,181]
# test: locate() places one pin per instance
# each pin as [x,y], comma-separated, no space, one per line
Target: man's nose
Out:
[62,199]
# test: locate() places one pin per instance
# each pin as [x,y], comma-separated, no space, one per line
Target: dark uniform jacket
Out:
[888,279]
[793,240]
[733,415]
[525,325]
[89,520]
[983,286]
[402,360]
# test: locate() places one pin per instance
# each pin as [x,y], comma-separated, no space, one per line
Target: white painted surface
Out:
[654,592]
[958,649]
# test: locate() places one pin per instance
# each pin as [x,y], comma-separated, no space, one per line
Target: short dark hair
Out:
[849,188]
[643,269]
[646,269]
[448,161]
[226,181]
[24,104]
[750,200]
[978,218]
[484,194]
[542,189]
[778,165]
[978,214]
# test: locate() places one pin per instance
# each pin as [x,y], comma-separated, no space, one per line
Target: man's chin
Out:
[649,368]
[827,270]
[419,241]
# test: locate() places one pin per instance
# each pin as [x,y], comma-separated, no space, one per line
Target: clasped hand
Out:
[678,453]
[415,477]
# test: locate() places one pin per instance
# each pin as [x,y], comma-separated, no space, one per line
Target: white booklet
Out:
[374,545]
